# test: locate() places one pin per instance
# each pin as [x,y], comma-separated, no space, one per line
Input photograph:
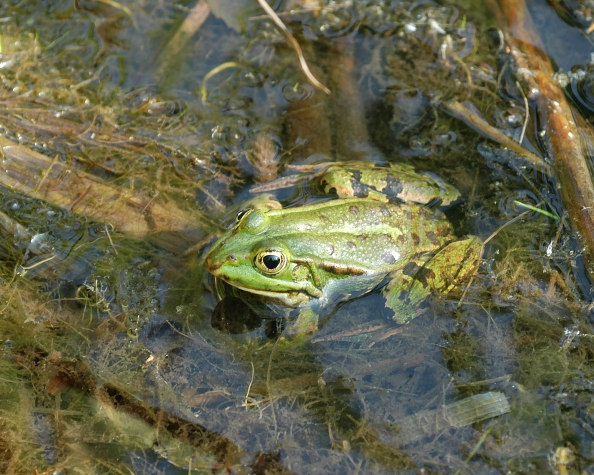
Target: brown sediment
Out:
[264,158]
[307,120]
[561,132]
[348,115]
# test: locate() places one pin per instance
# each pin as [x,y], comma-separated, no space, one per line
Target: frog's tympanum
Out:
[315,256]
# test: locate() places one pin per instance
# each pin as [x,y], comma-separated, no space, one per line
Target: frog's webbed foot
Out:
[442,273]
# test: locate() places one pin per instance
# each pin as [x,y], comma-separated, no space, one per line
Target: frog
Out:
[377,232]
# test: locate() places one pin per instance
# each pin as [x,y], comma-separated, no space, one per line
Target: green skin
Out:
[331,251]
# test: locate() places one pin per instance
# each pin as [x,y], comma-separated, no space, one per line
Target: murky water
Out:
[134,132]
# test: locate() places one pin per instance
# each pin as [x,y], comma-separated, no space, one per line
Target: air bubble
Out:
[297,92]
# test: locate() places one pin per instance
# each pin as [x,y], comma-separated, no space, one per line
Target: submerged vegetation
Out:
[132,132]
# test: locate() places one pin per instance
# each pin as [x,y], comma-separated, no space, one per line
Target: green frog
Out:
[376,234]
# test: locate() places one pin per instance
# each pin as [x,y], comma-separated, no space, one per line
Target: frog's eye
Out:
[271,262]
[242,213]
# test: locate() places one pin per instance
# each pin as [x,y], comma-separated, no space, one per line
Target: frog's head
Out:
[248,258]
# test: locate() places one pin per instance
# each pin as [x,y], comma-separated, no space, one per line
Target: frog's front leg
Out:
[305,324]
[442,273]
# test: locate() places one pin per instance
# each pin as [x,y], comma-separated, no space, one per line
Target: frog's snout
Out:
[213,264]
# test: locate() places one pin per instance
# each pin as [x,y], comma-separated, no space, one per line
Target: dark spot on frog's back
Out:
[362,237]
[352,245]
[353,209]
[416,239]
[419,273]
[356,174]
[411,269]
[393,186]
[324,218]
[424,275]
[432,237]
[359,189]
[385,211]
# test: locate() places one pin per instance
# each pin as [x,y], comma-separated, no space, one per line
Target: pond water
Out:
[134,132]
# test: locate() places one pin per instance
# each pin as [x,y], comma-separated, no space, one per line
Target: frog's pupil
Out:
[271,261]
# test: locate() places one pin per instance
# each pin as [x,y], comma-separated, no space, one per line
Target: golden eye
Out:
[271,262]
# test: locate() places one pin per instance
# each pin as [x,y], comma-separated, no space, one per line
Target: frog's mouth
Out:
[288,298]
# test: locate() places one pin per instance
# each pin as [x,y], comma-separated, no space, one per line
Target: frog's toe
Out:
[404,296]
[405,309]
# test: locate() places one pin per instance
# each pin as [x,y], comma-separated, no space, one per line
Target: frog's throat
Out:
[292,298]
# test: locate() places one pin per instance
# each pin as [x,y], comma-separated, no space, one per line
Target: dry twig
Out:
[295,45]
[459,111]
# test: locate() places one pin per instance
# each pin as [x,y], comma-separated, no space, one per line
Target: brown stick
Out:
[184,33]
[458,110]
[311,78]
[130,211]
[228,456]
[562,134]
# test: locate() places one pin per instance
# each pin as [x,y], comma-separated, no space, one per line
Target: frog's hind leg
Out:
[442,273]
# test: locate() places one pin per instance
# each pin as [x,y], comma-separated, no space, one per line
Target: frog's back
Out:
[359,232]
